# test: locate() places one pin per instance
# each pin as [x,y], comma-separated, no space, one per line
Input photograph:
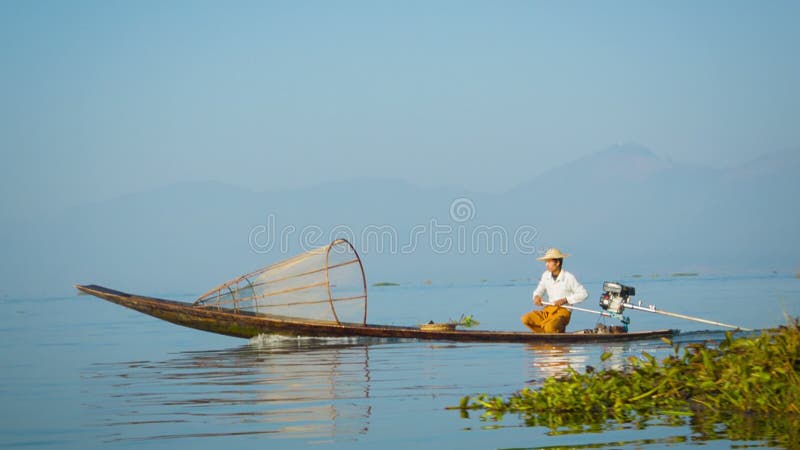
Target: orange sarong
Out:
[550,319]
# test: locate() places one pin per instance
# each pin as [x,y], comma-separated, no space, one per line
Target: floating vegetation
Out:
[466,321]
[746,383]
[636,275]
[685,274]
[385,283]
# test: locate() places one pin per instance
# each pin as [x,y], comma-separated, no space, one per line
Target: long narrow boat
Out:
[318,293]
[247,324]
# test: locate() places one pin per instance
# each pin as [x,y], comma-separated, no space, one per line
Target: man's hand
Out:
[537,300]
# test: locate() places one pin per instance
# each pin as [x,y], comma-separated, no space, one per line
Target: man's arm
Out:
[538,292]
[578,294]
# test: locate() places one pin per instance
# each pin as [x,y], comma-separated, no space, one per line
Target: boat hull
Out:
[245,324]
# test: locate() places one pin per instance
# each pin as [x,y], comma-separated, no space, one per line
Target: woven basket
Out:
[438,327]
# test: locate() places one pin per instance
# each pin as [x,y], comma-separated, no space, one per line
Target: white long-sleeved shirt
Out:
[564,286]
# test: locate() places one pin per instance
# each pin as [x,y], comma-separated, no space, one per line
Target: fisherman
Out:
[562,288]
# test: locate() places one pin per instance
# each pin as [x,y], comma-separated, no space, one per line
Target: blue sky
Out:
[105,98]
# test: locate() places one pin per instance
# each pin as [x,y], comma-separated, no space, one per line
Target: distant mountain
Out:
[626,204]
[629,162]
[620,211]
[767,165]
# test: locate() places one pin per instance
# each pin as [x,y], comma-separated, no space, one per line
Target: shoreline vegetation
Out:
[675,274]
[429,282]
[750,385]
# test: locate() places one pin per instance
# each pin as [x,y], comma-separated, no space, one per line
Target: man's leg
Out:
[533,320]
[556,321]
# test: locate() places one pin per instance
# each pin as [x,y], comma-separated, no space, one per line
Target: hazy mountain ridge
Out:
[621,210]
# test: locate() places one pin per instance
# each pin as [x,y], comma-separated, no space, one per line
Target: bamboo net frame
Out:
[326,283]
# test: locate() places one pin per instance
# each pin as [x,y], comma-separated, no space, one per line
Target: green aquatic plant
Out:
[746,378]
[685,274]
[466,321]
[385,283]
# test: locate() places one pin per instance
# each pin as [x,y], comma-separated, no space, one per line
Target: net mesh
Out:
[326,284]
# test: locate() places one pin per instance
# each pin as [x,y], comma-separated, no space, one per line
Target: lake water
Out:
[79,372]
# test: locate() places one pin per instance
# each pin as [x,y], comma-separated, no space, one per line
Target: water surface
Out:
[78,372]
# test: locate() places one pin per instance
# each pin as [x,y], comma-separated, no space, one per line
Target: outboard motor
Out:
[615,296]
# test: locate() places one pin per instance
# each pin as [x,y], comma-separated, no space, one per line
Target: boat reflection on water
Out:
[313,385]
[553,360]
[549,360]
[314,389]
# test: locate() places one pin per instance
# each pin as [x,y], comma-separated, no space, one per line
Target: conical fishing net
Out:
[325,284]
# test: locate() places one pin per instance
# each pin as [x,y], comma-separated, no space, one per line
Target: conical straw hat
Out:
[552,253]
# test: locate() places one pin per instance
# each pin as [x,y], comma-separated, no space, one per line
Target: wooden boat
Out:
[318,293]
[247,324]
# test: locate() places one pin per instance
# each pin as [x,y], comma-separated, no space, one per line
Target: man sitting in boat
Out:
[562,288]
